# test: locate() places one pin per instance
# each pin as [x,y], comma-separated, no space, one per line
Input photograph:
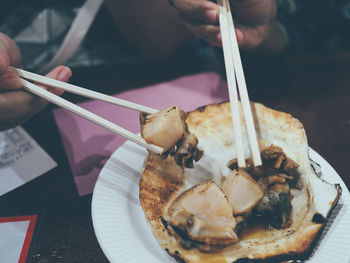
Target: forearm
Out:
[150,27]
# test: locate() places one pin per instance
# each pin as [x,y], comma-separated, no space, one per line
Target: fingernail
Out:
[65,74]
[212,15]
[219,37]
[239,36]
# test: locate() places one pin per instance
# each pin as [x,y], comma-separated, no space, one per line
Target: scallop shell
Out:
[212,124]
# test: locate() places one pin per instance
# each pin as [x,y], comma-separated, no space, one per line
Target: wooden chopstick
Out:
[80,91]
[242,87]
[89,116]
[232,85]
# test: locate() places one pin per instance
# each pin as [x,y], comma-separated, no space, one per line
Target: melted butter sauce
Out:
[256,229]
[212,258]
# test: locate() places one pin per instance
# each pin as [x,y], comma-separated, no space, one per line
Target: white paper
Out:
[21,159]
[12,235]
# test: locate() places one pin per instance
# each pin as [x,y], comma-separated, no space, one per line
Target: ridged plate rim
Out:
[115,202]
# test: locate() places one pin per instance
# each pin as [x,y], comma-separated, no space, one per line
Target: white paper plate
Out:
[124,235]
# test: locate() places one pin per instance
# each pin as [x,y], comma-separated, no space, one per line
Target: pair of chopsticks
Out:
[234,71]
[25,76]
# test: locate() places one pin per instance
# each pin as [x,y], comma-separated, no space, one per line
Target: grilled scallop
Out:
[242,191]
[163,128]
[204,214]
[168,129]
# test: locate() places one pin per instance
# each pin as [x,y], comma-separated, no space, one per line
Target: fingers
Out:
[202,11]
[9,55]
[21,103]
[4,61]
[239,36]
[253,21]
[9,81]
[247,38]
[60,73]
[253,12]
[36,103]
[16,106]
[250,38]
[206,32]
[201,18]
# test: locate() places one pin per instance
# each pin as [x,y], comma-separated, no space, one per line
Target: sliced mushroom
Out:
[274,156]
[205,214]
[242,191]
[187,151]
[275,179]
[291,168]
[271,153]
[255,172]
[287,177]
[233,164]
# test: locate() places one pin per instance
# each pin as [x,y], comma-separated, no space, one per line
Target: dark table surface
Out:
[314,88]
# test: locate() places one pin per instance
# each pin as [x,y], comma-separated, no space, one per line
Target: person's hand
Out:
[16,104]
[254,20]
[201,18]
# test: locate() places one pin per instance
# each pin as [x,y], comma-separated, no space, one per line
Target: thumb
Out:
[36,103]
[239,36]
[4,62]
[9,53]
[250,38]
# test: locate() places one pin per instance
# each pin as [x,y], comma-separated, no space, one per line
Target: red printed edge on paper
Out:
[28,238]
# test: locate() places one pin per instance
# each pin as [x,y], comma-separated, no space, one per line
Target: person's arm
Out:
[16,104]
[255,23]
[150,27]
[156,29]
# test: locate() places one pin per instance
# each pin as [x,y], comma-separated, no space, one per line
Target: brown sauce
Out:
[256,228]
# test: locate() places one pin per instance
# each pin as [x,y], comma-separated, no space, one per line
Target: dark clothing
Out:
[316,25]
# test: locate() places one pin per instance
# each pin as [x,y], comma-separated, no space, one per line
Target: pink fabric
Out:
[88,145]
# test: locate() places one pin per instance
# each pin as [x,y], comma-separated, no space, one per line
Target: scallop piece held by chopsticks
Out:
[168,129]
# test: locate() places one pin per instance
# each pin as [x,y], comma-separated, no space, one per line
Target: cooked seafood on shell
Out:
[223,214]
[168,129]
